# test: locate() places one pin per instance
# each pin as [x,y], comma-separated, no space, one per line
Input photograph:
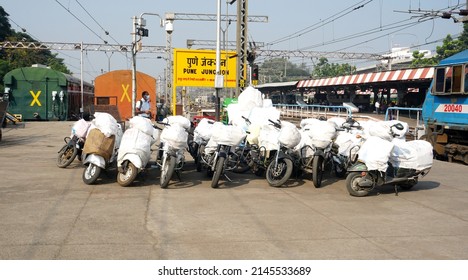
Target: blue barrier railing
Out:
[395,112]
[308,111]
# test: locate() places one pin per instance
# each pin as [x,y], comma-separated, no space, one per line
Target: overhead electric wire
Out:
[77,18]
[321,23]
[103,29]
[24,30]
[422,18]
[364,33]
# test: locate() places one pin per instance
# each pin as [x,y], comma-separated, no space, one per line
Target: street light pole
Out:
[134,51]
[81,82]
[219,79]
[140,23]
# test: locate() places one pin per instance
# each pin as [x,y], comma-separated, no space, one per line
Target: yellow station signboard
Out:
[197,68]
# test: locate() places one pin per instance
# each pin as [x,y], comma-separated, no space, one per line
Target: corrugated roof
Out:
[281,84]
[379,77]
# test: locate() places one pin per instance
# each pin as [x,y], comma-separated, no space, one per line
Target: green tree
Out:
[281,70]
[325,69]
[14,58]
[5,27]
[448,48]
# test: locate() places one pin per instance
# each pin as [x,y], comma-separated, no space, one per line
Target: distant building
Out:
[398,58]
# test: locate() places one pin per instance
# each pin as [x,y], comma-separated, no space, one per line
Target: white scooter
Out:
[135,149]
[101,146]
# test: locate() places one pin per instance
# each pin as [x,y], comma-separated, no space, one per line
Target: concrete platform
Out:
[49,213]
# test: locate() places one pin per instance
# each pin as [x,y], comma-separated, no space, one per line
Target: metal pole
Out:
[219,83]
[81,77]
[134,51]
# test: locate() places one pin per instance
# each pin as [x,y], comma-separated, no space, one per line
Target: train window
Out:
[457,76]
[439,80]
[102,101]
[465,80]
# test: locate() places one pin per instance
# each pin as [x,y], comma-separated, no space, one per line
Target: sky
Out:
[369,26]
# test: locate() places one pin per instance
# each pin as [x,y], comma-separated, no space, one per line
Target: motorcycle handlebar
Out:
[275,124]
[247,120]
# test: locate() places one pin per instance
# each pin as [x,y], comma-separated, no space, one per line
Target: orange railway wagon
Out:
[115,88]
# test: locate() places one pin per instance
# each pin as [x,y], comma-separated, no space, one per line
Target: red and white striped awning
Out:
[378,77]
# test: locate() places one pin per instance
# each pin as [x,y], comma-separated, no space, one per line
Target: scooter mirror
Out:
[399,126]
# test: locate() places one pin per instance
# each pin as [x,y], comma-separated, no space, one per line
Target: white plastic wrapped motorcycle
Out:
[172,147]
[135,149]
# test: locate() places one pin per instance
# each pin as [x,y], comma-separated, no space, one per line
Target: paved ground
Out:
[49,213]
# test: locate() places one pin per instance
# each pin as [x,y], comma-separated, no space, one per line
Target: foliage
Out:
[14,58]
[281,70]
[449,47]
[325,69]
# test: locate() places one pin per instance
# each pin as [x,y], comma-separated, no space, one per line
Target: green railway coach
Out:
[40,93]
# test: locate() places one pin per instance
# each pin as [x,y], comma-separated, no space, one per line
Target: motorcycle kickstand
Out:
[396,189]
[177,172]
[229,179]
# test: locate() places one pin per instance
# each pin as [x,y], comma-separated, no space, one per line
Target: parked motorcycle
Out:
[263,141]
[382,162]
[280,167]
[238,160]
[346,146]
[101,146]
[218,150]
[74,144]
[321,133]
[135,149]
[201,135]
[171,150]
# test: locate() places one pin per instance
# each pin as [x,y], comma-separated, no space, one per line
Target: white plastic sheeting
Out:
[134,141]
[227,134]
[175,136]
[375,153]
[416,154]
[289,135]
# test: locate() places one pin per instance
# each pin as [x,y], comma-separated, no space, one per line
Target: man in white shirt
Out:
[377,107]
[143,106]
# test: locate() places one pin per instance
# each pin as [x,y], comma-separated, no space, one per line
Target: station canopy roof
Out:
[371,78]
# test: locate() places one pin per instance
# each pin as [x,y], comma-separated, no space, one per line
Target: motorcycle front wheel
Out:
[217,172]
[128,176]
[166,171]
[91,174]
[278,174]
[317,171]
[66,155]
[352,186]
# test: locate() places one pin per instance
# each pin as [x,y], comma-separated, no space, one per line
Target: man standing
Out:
[143,106]
[162,110]
[377,107]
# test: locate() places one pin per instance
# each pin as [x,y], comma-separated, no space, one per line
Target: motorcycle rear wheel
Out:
[352,186]
[128,176]
[278,174]
[66,155]
[91,174]
[166,171]
[219,167]
[317,171]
